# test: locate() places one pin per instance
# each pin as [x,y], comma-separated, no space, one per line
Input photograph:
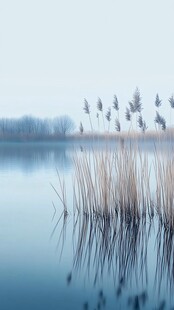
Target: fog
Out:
[55,53]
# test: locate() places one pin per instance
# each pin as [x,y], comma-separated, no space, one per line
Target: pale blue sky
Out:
[54,53]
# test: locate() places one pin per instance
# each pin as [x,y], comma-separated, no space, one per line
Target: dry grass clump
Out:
[117,196]
[124,182]
[108,182]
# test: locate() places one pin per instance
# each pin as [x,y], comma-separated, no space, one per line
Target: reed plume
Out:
[81,128]
[171,101]
[86,108]
[108,117]
[158,102]
[160,120]
[117,125]
[100,108]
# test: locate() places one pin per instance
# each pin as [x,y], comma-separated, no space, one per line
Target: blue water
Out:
[42,265]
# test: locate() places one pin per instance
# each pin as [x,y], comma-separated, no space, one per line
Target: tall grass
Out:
[118,196]
[108,182]
[124,182]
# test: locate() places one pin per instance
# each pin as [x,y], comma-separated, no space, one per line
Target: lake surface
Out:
[51,261]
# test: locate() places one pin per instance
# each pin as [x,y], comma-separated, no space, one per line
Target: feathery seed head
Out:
[128,115]
[160,120]
[158,102]
[99,105]
[117,125]
[135,104]
[108,115]
[81,128]
[115,103]
[157,118]
[140,121]
[144,127]
[171,100]
[163,124]
[86,107]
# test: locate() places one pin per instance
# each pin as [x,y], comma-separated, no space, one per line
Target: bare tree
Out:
[35,128]
[63,125]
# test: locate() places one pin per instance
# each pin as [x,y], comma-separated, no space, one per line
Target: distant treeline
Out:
[29,127]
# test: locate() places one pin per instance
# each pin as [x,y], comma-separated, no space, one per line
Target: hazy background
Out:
[54,53]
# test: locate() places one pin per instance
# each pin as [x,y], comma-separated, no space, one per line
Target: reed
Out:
[117,197]
[115,209]
[108,182]
[61,193]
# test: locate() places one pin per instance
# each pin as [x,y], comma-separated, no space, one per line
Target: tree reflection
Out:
[32,156]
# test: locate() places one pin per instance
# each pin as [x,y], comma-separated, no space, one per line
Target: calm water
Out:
[48,261]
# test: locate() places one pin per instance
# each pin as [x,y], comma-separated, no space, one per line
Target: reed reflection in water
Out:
[118,249]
